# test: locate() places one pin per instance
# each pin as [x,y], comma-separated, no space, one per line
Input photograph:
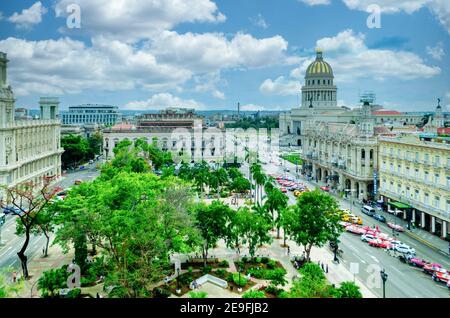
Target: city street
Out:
[12,243]
[403,280]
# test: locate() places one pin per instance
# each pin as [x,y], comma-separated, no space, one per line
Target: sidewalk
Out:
[423,236]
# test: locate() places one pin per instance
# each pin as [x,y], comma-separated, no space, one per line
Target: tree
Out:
[240,185]
[76,149]
[211,221]
[137,219]
[31,200]
[6,289]
[44,224]
[52,281]
[315,220]
[95,142]
[276,201]
[253,228]
[349,290]
[312,284]
[201,294]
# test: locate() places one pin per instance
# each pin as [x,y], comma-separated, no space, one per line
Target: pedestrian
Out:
[289,251]
[14,275]
[323,269]
[326,269]
[43,251]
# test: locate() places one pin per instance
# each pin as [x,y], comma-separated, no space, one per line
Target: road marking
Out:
[9,248]
[398,271]
[374,258]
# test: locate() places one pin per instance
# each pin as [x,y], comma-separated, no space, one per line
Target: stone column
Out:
[367,170]
[413,219]
[444,229]
[433,224]
[362,190]
[353,187]
[422,219]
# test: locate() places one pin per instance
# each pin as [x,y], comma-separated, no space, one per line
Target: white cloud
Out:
[163,100]
[209,52]
[437,52]
[440,8]
[315,2]
[280,86]
[67,66]
[352,59]
[28,17]
[208,83]
[259,21]
[139,19]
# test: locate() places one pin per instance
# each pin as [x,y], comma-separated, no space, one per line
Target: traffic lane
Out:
[404,281]
[8,254]
[422,250]
[421,286]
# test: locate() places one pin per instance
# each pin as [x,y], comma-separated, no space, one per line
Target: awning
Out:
[400,205]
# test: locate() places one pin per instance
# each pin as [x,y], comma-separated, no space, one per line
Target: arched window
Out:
[298,131]
[289,129]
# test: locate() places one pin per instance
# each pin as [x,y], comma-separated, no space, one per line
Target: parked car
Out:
[394,244]
[417,262]
[380,218]
[283,190]
[78,182]
[355,229]
[11,210]
[441,275]
[404,249]
[395,227]
[379,243]
[326,189]
[368,210]
[431,268]
[368,237]
[394,212]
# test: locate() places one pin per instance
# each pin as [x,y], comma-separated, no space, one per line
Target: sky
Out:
[212,54]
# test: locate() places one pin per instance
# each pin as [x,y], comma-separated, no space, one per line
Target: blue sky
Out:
[212,54]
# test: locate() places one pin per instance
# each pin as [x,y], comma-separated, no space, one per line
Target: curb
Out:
[418,238]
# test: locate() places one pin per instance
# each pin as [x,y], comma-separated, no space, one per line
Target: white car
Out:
[394,244]
[368,237]
[404,249]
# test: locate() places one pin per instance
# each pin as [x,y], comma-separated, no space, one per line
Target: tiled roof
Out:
[386,112]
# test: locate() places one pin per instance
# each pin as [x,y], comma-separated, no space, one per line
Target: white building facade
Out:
[29,149]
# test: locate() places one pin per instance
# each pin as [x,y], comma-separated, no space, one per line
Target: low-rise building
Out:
[91,114]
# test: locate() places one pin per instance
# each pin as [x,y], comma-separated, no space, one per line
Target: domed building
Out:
[319,90]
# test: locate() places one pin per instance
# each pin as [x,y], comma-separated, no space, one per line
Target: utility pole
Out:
[384,277]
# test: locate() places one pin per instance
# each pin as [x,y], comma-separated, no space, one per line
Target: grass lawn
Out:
[293,158]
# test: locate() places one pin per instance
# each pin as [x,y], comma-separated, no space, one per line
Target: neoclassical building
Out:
[29,149]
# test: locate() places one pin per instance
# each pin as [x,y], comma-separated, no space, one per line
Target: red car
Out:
[379,243]
[326,189]
[441,275]
[395,227]
[431,268]
[283,190]
[417,262]
[355,229]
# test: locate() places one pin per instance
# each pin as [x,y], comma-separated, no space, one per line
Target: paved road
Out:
[12,243]
[404,281]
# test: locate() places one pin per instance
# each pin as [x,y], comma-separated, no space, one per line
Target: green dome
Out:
[319,67]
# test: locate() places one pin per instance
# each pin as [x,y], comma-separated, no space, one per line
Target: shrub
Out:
[193,294]
[277,276]
[254,294]
[207,269]
[271,264]
[224,194]
[224,263]
[220,272]
[240,282]
[185,279]
[271,289]
[349,290]
[245,259]
[190,270]
[313,271]
[257,260]
[74,293]
[159,292]
[264,260]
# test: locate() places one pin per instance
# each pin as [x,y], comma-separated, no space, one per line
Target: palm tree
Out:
[276,201]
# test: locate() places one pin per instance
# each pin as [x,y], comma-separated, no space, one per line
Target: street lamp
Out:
[384,277]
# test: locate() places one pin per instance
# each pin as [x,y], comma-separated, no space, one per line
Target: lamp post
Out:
[384,277]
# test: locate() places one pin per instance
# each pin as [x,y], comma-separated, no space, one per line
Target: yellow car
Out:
[356,220]
[297,193]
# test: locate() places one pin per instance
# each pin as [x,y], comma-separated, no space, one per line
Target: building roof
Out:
[122,126]
[319,66]
[386,112]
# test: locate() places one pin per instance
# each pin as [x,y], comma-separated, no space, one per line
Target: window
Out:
[448,163]
[426,176]
[407,171]
[437,202]
[417,156]
[426,158]
[399,168]
[392,167]
[416,195]
[448,182]
[436,178]
[426,199]
[448,206]
[416,173]
[437,160]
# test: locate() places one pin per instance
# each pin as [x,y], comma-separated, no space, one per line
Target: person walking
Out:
[326,269]
[288,250]
[14,276]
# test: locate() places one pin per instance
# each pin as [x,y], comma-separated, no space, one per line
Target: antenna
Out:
[367,97]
